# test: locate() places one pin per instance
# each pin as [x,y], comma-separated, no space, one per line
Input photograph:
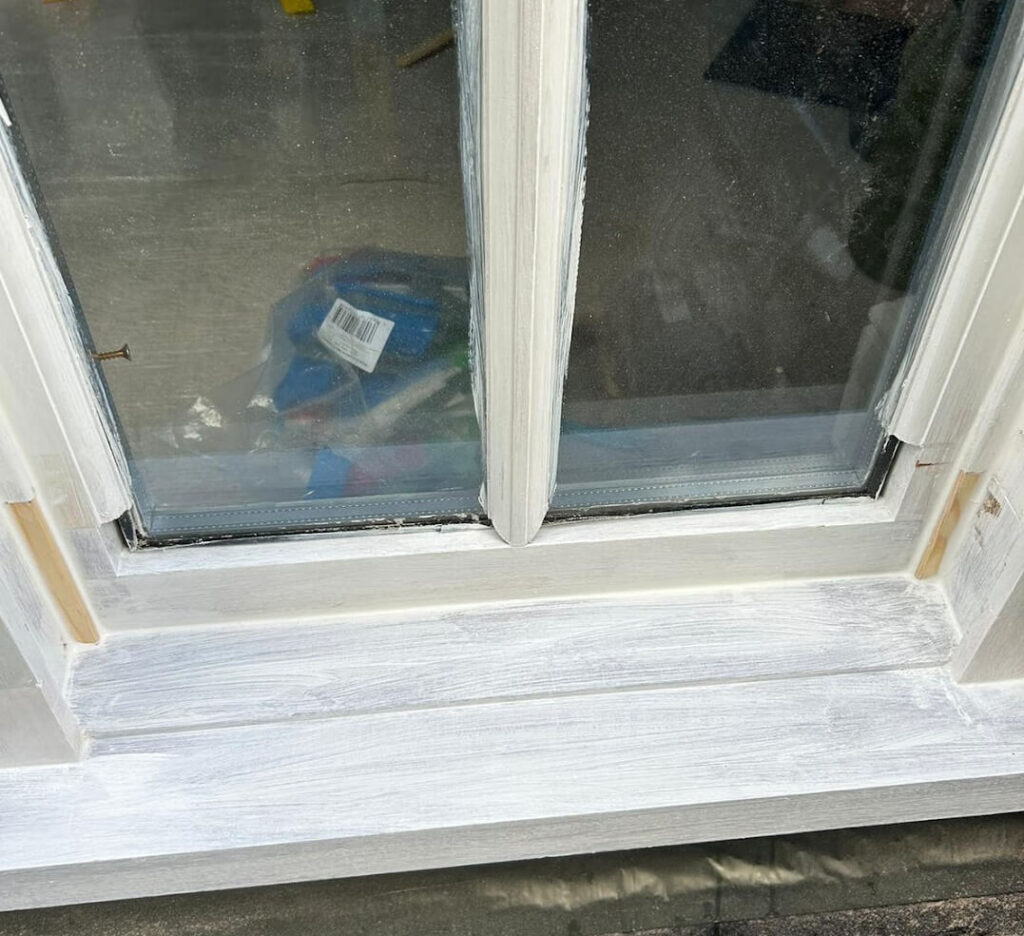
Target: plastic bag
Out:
[362,388]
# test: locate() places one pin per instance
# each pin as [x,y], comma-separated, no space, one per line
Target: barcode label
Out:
[355,335]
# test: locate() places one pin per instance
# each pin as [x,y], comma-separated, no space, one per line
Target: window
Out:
[265,211]
[766,184]
[262,215]
[798,650]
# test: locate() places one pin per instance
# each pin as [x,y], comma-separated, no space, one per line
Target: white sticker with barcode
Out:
[355,335]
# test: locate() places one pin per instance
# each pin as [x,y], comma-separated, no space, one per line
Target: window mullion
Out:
[532,121]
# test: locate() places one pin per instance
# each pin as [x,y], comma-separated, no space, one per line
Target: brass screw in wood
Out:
[121,352]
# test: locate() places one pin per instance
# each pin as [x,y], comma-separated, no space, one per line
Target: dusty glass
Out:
[764,184]
[263,200]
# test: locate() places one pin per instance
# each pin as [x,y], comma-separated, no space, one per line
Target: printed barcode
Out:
[355,335]
[358,326]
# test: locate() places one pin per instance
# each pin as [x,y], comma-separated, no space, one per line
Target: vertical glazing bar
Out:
[532,117]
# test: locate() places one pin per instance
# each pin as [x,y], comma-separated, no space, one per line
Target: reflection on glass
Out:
[762,181]
[267,208]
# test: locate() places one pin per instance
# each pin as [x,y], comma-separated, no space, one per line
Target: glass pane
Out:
[263,200]
[764,184]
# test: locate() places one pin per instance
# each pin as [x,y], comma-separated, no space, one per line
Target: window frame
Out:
[951,389]
[436,788]
[943,388]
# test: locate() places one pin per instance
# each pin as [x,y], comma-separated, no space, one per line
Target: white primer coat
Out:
[424,569]
[158,681]
[15,482]
[327,575]
[475,783]
[35,307]
[36,723]
[955,340]
[448,768]
[984,576]
[532,113]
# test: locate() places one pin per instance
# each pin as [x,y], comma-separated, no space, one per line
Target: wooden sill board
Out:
[159,680]
[195,810]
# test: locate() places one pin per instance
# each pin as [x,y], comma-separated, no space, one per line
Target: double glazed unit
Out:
[597,423]
[324,295]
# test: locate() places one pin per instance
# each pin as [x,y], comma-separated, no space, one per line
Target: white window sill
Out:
[734,713]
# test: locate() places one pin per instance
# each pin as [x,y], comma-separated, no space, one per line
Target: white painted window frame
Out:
[639,611]
[963,342]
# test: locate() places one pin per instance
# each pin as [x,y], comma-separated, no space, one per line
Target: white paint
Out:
[316,576]
[473,783]
[340,573]
[446,779]
[984,575]
[532,107]
[36,723]
[33,624]
[29,734]
[983,571]
[37,325]
[326,575]
[946,379]
[384,662]
[15,482]
[14,671]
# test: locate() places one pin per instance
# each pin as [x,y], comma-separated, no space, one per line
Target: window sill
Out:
[716,714]
[355,664]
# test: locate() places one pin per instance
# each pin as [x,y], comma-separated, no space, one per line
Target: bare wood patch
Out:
[54,570]
[931,559]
